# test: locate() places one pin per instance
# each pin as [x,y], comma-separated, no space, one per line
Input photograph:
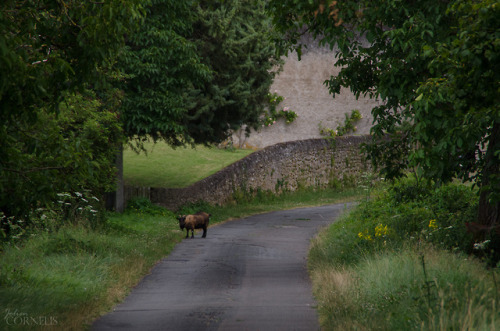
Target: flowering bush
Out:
[381,230]
[73,207]
[413,211]
[365,235]
[77,206]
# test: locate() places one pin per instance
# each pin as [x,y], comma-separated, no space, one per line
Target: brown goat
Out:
[199,220]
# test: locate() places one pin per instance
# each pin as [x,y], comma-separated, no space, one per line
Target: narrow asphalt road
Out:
[248,274]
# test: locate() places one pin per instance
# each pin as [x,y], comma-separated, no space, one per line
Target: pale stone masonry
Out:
[301,83]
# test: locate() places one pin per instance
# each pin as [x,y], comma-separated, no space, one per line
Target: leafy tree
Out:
[197,70]
[434,66]
[48,47]
[50,50]
[457,108]
[162,68]
[71,151]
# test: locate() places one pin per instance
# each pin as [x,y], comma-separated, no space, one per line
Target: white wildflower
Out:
[482,245]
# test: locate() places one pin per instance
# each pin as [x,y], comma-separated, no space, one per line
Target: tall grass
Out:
[63,279]
[389,291]
[400,261]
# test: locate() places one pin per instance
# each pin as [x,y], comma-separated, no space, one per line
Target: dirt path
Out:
[248,274]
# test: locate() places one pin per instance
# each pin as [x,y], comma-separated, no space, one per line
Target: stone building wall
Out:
[301,83]
[283,166]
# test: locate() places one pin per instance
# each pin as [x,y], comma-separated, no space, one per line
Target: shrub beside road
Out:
[403,260]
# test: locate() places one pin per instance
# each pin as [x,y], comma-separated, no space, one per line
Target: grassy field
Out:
[164,166]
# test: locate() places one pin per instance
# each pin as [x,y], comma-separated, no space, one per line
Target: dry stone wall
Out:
[283,166]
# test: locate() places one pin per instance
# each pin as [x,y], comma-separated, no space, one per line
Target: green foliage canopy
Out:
[197,70]
[433,65]
[49,47]
[54,134]
[162,67]
[183,71]
[72,151]
[457,110]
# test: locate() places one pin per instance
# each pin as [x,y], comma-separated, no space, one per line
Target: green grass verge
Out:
[164,166]
[65,279]
[62,280]
[400,262]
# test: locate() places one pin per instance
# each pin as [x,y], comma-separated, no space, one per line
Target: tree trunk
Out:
[489,211]
[116,200]
[120,198]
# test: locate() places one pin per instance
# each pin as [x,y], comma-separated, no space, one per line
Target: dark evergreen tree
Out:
[234,40]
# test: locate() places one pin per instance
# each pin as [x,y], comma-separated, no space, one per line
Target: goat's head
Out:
[182,221]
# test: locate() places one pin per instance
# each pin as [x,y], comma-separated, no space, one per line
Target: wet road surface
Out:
[248,274]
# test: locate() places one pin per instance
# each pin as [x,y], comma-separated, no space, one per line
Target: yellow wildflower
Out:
[381,230]
[433,224]
[365,235]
